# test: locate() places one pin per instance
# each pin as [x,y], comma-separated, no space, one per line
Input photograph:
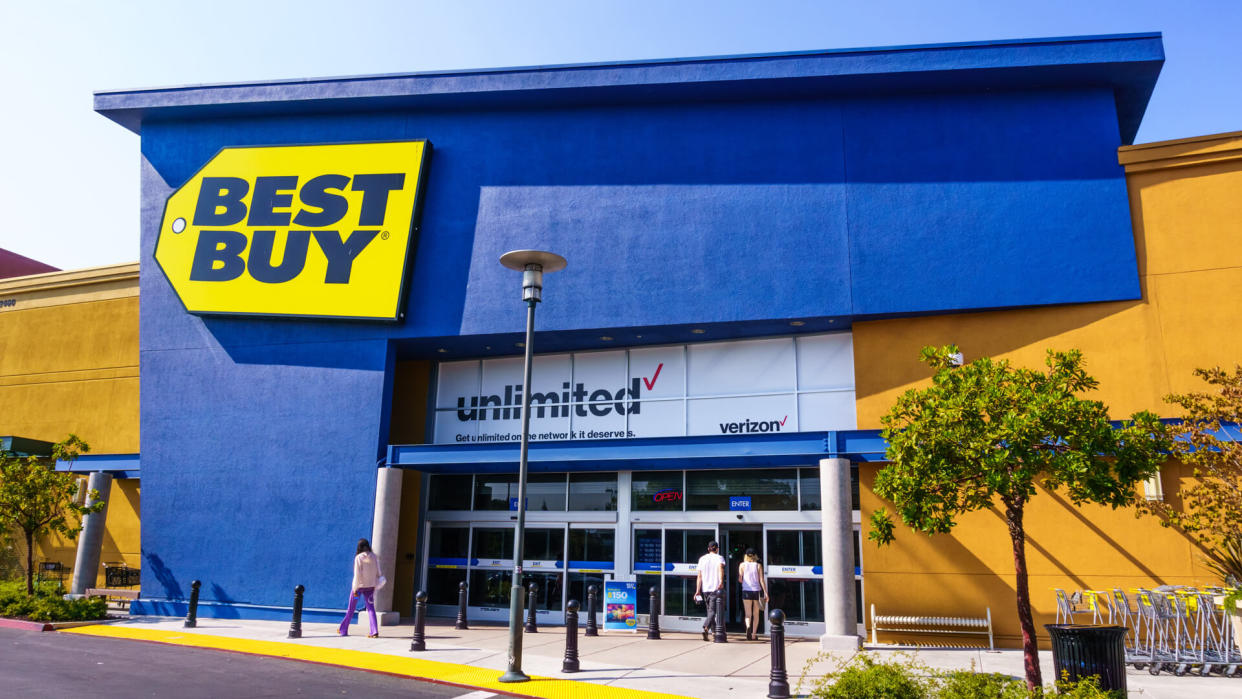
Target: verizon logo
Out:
[752,426]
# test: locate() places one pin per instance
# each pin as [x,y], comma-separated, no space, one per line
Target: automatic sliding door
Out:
[448,555]
[648,564]
[796,578]
[682,549]
[591,561]
[491,572]
[544,565]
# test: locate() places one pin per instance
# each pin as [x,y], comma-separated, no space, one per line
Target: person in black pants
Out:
[710,583]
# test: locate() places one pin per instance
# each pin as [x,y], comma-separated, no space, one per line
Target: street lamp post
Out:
[532,264]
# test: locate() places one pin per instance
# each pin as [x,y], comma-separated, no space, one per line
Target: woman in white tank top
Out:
[754,589]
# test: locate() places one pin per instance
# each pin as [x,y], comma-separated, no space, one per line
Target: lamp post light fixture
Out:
[532,264]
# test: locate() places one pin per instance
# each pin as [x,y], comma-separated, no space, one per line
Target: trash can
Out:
[1081,650]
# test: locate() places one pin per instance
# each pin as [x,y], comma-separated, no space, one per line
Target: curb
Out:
[24,625]
[49,625]
[452,674]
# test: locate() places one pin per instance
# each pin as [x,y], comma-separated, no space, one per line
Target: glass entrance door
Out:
[491,571]
[481,555]
[735,541]
[667,557]
[544,566]
[591,561]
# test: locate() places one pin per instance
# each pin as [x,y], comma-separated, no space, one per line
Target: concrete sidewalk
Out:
[679,664]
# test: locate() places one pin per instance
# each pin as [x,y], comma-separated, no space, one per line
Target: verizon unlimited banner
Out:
[802,384]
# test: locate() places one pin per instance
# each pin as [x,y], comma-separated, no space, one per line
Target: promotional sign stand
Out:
[621,606]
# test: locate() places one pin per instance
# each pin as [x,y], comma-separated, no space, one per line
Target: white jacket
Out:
[366,570]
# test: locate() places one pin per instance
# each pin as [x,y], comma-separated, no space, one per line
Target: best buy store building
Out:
[757,246]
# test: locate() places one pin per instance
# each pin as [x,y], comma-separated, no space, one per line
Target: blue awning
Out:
[714,451]
[115,465]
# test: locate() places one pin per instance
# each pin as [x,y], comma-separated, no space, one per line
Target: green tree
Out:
[1211,507]
[986,434]
[36,499]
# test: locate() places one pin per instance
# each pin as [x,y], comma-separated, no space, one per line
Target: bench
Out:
[934,624]
[121,597]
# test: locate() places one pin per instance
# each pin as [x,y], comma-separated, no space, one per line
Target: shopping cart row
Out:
[1175,628]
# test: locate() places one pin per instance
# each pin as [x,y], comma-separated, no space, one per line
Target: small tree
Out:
[986,434]
[37,499]
[1211,511]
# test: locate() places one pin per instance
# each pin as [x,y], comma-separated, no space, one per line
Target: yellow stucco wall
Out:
[69,364]
[411,382]
[1187,212]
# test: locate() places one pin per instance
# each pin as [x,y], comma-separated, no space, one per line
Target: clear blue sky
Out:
[70,177]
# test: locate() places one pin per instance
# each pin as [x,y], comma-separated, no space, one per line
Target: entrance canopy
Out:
[645,454]
[115,465]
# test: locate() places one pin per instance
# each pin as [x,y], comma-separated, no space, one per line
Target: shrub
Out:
[968,684]
[47,604]
[1086,688]
[56,609]
[864,677]
[902,676]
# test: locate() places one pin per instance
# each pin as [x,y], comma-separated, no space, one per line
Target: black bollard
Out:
[420,619]
[571,637]
[653,618]
[191,616]
[461,607]
[531,625]
[295,629]
[591,628]
[719,635]
[778,679]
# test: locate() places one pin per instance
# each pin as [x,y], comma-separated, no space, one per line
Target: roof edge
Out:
[641,62]
[1128,63]
[1179,152]
[70,278]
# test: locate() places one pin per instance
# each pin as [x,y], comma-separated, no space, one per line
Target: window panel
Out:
[449,492]
[657,490]
[809,478]
[588,548]
[768,489]
[442,585]
[490,588]
[493,543]
[593,492]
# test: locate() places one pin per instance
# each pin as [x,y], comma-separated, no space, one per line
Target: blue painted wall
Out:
[260,438]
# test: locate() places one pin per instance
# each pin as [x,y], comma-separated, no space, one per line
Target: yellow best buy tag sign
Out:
[320,231]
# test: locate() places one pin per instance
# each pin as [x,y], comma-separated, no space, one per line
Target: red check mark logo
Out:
[651,383]
[783,420]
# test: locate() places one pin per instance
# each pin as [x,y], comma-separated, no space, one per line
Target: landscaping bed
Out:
[48,605]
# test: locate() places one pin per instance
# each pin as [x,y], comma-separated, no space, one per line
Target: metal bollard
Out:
[461,607]
[295,629]
[778,679]
[419,641]
[571,637]
[592,607]
[531,625]
[653,617]
[719,635]
[191,616]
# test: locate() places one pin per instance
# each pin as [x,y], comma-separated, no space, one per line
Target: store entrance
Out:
[734,542]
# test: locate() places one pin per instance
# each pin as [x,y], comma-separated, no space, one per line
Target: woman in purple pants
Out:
[367,578]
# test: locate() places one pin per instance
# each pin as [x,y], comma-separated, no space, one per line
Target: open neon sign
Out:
[666,495]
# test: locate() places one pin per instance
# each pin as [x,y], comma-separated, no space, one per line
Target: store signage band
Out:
[745,387]
[310,231]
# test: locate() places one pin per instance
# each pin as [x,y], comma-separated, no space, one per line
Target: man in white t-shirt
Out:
[709,584]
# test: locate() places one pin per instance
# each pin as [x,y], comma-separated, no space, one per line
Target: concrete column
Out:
[840,614]
[384,538]
[90,540]
[623,563]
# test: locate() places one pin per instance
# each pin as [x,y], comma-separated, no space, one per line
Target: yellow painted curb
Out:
[435,671]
